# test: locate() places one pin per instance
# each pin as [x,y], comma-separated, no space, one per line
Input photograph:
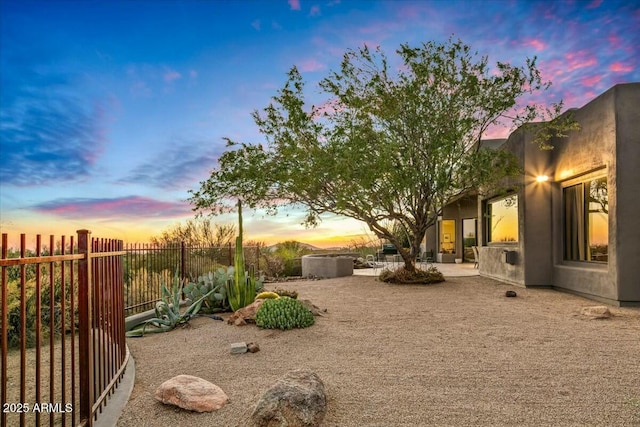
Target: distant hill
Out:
[272,248]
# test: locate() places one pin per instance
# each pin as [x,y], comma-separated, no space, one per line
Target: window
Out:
[468,238]
[586,221]
[448,236]
[502,220]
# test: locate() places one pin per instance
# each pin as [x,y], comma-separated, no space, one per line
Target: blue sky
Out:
[112,110]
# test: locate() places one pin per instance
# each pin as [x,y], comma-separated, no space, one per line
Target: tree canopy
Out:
[389,146]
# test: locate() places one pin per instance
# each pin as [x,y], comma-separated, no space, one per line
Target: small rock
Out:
[238,348]
[191,393]
[510,294]
[215,317]
[596,312]
[297,399]
[314,309]
[253,347]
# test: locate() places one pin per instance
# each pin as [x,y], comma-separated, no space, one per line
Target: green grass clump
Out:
[283,313]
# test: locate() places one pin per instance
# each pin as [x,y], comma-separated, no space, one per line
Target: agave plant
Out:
[242,289]
[167,311]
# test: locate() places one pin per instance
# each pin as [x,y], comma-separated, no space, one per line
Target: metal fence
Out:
[63,339]
[147,267]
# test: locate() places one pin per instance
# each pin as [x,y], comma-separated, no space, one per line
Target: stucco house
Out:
[572,220]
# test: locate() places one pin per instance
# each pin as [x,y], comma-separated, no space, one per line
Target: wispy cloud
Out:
[182,165]
[294,4]
[315,10]
[47,139]
[309,65]
[171,75]
[580,59]
[127,207]
[256,24]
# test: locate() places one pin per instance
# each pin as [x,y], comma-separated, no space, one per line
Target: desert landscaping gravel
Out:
[458,353]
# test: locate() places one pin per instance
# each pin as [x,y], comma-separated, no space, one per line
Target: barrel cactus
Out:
[283,313]
[267,295]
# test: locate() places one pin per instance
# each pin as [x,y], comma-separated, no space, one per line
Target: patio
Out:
[447,269]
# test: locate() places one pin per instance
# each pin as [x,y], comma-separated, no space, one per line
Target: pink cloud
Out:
[537,44]
[294,4]
[408,11]
[590,81]
[615,41]
[315,10]
[620,67]
[579,59]
[310,65]
[594,4]
[171,75]
[118,208]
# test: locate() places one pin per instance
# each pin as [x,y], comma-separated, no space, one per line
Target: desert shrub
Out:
[273,265]
[47,310]
[283,313]
[285,260]
[418,277]
[144,286]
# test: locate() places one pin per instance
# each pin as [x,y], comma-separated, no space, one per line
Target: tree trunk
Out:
[409,259]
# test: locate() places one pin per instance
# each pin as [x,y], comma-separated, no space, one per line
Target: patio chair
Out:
[426,257]
[476,258]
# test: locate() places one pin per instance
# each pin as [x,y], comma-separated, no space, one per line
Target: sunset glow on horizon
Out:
[111,111]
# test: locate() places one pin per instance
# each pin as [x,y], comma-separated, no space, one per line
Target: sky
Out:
[111,111]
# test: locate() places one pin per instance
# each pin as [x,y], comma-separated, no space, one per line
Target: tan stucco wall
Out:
[608,142]
[627,179]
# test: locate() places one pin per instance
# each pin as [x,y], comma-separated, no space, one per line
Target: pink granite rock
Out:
[240,317]
[191,393]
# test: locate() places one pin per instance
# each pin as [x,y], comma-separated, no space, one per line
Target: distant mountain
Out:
[272,248]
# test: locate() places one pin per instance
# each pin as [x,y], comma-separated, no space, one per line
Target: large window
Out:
[586,221]
[502,220]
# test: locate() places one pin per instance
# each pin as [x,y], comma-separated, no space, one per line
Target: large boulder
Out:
[295,400]
[191,393]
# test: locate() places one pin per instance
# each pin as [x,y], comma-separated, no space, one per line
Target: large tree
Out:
[389,147]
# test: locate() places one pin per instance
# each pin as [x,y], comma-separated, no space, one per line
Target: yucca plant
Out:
[241,290]
[167,311]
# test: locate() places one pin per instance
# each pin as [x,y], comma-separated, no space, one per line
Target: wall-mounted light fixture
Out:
[542,178]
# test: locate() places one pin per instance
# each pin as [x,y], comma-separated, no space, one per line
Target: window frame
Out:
[488,215]
[582,180]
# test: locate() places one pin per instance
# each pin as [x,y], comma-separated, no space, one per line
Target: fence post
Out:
[183,262]
[85,347]
[183,267]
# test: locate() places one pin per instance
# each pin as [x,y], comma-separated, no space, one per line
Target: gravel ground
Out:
[456,353]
